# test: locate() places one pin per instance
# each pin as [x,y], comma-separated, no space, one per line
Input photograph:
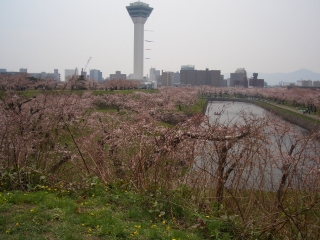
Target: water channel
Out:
[266,170]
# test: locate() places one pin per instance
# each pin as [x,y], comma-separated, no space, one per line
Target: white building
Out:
[139,13]
[304,83]
[154,74]
[68,73]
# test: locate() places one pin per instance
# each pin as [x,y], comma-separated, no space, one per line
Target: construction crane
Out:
[87,63]
[82,77]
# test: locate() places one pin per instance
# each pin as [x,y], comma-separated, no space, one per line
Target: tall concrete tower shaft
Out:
[139,13]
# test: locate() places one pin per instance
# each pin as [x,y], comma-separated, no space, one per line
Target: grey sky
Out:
[263,36]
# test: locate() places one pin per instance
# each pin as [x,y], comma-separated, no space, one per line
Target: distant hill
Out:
[276,78]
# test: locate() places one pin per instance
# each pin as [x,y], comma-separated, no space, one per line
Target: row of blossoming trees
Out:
[22,82]
[257,172]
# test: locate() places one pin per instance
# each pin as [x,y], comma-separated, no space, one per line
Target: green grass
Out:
[99,213]
[195,108]
[2,94]
[283,110]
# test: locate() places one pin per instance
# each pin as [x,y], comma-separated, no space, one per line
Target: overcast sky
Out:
[264,36]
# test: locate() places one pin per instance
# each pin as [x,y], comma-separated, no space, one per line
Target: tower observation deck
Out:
[139,13]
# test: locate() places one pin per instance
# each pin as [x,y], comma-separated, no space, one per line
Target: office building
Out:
[42,75]
[316,83]
[189,76]
[176,78]
[254,82]
[117,75]
[154,75]
[139,13]
[187,67]
[167,79]
[239,78]
[304,83]
[68,73]
[96,75]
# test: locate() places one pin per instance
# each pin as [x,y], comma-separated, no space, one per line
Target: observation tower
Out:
[139,13]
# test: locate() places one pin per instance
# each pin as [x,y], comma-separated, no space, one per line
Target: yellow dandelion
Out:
[89,230]
[17,224]
[137,226]
[164,222]
[168,228]
[31,210]
[207,216]
[82,224]
[7,231]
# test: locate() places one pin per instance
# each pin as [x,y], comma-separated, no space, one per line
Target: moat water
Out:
[266,170]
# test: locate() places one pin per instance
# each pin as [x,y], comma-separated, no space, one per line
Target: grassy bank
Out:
[113,212]
[299,119]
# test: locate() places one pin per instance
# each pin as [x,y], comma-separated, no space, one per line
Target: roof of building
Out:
[139,9]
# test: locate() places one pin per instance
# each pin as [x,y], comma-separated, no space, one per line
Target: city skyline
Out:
[261,36]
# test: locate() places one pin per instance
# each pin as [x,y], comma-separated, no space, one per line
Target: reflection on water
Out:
[229,110]
[265,168]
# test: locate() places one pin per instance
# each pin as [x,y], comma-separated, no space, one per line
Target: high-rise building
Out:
[139,13]
[239,78]
[96,75]
[118,75]
[68,73]
[42,75]
[254,82]
[187,67]
[304,83]
[167,78]
[316,83]
[154,74]
[176,77]
[189,76]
